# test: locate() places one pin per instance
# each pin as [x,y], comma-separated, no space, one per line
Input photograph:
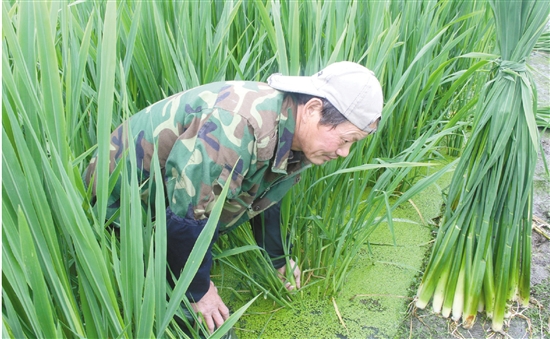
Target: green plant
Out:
[64,273]
[74,71]
[482,254]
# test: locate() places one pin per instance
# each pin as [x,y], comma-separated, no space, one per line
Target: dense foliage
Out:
[72,71]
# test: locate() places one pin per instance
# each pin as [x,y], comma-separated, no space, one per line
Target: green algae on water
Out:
[377,290]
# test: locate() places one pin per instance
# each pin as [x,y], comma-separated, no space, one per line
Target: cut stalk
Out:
[493,181]
[454,276]
[488,284]
[439,293]
[458,300]
[469,290]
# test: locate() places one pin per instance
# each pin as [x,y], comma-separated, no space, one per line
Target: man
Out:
[268,133]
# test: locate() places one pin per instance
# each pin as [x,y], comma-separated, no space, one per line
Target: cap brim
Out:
[294,84]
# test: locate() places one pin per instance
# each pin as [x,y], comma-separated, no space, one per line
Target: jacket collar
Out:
[287,124]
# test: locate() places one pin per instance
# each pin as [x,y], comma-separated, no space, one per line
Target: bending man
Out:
[268,132]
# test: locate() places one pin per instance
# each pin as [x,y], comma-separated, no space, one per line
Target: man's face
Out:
[322,143]
[327,143]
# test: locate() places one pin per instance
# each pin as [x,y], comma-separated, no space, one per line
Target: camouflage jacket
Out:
[201,135]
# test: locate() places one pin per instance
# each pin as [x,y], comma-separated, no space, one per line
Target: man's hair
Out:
[330,116]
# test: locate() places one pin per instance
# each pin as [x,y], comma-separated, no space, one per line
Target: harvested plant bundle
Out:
[481,257]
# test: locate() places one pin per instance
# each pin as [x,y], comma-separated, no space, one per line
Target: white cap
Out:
[351,88]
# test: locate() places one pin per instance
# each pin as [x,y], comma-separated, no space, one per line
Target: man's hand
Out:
[212,308]
[293,267]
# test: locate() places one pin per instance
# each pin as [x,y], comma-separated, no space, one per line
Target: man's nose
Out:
[343,151]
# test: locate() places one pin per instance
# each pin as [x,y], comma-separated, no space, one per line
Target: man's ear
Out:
[374,126]
[313,108]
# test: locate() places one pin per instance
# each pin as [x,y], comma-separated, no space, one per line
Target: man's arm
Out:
[266,228]
[182,234]
[267,232]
